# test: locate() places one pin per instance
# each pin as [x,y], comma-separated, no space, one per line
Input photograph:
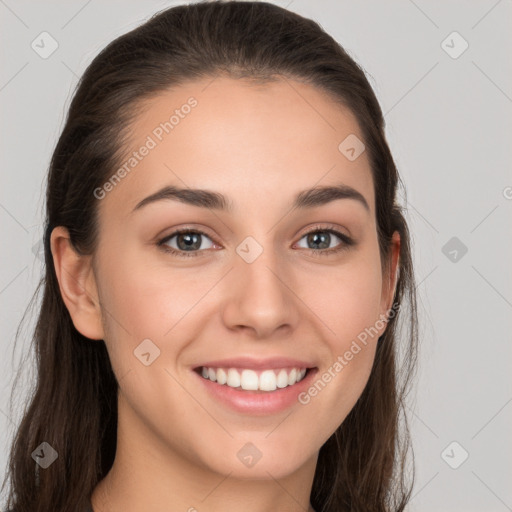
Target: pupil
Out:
[189,242]
[313,238]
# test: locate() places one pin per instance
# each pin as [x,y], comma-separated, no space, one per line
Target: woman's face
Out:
[248,294]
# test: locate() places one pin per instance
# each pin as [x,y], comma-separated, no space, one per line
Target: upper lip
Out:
[257,364]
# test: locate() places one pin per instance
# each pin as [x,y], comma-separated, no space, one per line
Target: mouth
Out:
[259,381]
[255,391]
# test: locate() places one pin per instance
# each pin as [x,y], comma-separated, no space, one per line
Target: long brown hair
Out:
[73,407]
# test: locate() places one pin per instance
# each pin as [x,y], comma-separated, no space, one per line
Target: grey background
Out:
[449,128]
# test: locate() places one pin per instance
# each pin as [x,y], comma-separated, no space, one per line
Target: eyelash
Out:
[346,243]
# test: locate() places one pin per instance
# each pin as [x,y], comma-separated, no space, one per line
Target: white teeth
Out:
[249,380]
[282,379]
[267,380]
[221,376]
[233,380]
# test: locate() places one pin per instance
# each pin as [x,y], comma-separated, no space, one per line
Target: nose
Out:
[260,297]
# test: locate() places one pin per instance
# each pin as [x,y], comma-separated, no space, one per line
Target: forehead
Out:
[242,139]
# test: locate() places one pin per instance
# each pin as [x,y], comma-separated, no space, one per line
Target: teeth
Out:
[282,379]
[267,380]
[233,378]
[249,380]
[221,376]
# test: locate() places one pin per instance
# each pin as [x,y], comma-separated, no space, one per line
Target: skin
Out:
[259,145]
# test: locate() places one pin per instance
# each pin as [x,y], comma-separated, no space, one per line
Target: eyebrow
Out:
[309,198]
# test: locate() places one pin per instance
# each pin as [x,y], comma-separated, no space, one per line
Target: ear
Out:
[391,276]
[77,284]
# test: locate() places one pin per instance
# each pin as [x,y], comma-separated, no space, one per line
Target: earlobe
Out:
[77,284]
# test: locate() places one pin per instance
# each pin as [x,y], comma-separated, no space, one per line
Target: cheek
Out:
[144,300]
[346,298]
[135,308]
[347,302]
[144,297]
[142,306]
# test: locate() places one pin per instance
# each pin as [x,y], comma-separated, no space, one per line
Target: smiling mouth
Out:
[256,381]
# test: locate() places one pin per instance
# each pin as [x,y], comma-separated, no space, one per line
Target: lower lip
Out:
[249,402]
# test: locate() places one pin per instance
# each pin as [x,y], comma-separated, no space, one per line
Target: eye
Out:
[187,240]
[322,237]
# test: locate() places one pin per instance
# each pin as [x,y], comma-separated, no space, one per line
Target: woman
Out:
[225,266]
